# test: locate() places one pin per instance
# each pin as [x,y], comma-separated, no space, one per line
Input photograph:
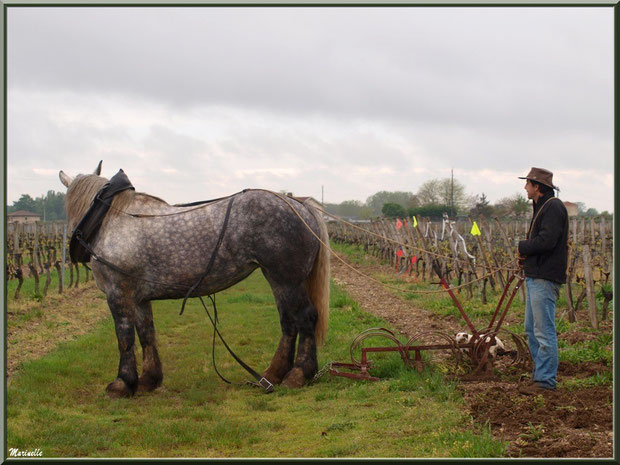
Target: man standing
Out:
[544,256]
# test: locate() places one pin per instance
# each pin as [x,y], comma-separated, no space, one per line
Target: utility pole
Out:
[452,192]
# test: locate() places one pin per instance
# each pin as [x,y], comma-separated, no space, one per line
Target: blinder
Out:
[88,227]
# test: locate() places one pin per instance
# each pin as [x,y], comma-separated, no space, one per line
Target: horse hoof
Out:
[118,388]
[294,379]
[273,379]
[148,383]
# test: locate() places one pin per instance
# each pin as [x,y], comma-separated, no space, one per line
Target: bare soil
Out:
[575,422]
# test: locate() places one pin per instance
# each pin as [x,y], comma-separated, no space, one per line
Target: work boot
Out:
[534,388]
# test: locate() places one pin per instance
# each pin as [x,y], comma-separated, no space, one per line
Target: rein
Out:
[400,289]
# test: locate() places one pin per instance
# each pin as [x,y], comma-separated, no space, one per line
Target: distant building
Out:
[571,208]
[23,217]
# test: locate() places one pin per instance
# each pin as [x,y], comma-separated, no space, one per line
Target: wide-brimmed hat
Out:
[540,175]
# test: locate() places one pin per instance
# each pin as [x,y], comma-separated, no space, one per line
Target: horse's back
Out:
[258,229]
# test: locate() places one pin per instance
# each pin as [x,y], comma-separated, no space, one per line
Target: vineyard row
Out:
[34,250]
[488,258]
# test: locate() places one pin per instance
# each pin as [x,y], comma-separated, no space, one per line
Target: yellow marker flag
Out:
[415,222]
[474,230]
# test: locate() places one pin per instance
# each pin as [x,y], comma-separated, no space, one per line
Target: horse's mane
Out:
[82,191]
[80,195]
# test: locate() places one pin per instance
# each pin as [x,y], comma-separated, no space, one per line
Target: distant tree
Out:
[452,190]
[429,192]
[443,192]
[51,207]
[482,207]
[393,210]
[351,208]
[521,205]
[354,209]
[365,213]
[581,208]
[591,212]
[332,208]
[430,211]
[377,200]
[26,203]
[517,205]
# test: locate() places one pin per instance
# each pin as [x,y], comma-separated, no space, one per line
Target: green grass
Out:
[604,378]
[57,403]
[597,350]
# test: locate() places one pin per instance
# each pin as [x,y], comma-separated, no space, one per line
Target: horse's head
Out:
[81,191]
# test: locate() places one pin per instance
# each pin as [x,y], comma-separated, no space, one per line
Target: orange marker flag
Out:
[399,224]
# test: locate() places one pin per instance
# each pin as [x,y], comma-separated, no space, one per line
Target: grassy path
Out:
[56,403]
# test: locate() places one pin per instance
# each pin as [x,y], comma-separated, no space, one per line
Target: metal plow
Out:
[477,354]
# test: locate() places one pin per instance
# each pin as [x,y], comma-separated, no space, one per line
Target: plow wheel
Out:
[484,352]
[523,357]
[440,347]
[374,333]
[492,351]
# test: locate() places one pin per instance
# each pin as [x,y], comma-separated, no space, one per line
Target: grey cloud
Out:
[488,67]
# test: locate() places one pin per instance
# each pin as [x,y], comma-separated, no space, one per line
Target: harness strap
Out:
[213,255]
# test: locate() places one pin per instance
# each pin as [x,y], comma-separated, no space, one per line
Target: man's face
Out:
[532,190]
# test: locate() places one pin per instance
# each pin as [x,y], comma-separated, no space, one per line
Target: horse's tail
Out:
[318,281]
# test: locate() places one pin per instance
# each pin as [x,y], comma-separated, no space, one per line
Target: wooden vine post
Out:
[587,268]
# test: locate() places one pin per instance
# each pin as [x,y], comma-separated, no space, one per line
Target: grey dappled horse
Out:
[174,245]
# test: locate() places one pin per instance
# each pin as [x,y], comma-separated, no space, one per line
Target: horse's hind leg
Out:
[151,366]
[296,311]
[126,381]
[306,364]
[282,361]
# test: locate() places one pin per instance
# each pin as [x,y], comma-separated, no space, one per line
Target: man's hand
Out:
[520,260]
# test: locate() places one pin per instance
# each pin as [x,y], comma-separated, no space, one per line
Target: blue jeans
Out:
[540,329]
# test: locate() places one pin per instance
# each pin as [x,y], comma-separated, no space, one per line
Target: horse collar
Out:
[88,227]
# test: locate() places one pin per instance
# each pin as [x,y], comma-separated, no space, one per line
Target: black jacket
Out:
[546,248]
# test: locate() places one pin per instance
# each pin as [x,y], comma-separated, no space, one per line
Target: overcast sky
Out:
[197,103]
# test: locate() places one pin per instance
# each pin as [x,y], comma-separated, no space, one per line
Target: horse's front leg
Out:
[152,374]
[126,382]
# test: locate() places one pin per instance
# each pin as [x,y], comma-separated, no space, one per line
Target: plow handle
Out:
[458,305]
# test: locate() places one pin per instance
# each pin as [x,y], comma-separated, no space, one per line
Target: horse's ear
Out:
[98,169]
[65,179]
